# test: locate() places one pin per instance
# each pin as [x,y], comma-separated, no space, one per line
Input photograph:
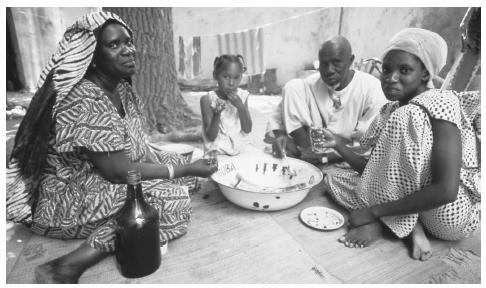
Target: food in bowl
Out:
[265,183]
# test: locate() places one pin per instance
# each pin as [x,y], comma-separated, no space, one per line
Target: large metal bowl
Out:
[264,183]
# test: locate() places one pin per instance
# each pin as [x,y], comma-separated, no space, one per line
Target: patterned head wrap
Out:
[428,46]
[75,53]
[64,70]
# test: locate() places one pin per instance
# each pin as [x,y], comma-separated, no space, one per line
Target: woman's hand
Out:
[201,168]
[332,140]
[361,217]
[235,100]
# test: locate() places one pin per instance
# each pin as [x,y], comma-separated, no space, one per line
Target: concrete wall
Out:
[369,29]
[291,44]
[37,31]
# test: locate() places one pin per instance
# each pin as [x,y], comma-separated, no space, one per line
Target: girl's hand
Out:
[235,99]
[361,217]
[201,168]
[218,106]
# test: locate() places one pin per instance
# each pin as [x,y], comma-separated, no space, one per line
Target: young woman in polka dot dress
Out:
[424,170]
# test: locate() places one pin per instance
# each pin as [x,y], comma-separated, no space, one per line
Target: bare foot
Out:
[421,249]
[55,272]
[362,236]
[68,268]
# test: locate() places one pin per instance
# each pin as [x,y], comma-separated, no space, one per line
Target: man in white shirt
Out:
[343,100]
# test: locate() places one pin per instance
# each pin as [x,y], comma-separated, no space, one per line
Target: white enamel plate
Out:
[322,218]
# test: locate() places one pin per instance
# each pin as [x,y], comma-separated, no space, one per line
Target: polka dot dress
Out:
[400,165]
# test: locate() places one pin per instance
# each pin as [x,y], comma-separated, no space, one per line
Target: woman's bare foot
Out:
[55,272]
[68,268]
[421,249]
[362,236]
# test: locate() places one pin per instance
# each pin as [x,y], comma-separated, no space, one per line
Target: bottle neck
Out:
[134,191]
[134,186]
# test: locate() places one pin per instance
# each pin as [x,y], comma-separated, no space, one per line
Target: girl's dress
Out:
[400,164]
[231,140]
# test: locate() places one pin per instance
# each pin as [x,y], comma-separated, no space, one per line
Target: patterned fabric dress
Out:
[400,165]
[231,140]
[75,201]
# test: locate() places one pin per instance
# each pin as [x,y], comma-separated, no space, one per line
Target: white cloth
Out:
[249,43]
[231,140]
[428,46]
[307,102]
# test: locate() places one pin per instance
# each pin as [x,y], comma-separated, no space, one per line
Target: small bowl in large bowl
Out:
[265,183]
[184,150]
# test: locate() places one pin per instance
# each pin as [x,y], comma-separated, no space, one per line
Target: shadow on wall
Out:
[447,27]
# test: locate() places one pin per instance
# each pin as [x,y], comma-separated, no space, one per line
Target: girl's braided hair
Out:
[221,62]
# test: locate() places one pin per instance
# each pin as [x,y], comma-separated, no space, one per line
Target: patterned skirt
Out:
[170,197]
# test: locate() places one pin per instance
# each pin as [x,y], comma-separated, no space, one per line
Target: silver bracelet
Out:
[171,171]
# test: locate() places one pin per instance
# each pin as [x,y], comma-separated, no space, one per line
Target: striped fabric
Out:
[19,195]
[75,201]
[74,53]
[248,43]
[68,65]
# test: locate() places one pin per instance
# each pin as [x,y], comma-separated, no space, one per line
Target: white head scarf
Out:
[428,46]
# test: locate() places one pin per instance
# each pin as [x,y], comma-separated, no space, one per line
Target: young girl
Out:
[226,119]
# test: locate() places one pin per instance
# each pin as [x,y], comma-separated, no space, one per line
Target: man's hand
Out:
[278,146]
[309,156]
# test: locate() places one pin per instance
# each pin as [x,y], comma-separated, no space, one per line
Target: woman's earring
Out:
[94,65]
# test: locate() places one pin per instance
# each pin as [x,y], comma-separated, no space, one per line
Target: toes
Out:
[425,255]
[351,242]
[361,244]
[416,254]
[342,239]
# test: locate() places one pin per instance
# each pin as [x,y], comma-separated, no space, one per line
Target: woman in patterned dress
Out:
[93,125]
[424,168]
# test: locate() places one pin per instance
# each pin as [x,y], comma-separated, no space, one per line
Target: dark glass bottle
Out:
[137,243]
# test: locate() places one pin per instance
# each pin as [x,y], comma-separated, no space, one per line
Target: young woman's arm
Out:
[357,162]
[446,165]
[210,118]
[114,166]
